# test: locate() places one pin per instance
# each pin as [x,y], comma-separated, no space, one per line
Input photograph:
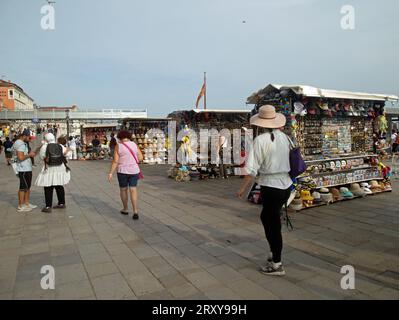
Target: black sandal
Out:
[135,216]
[125,213]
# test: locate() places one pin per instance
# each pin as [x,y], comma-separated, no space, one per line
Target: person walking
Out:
[8,150]
[96,143]
[112,145]
[126,161]
[55,173]
[222,149]
[72,153]
[24,169]
[269,158]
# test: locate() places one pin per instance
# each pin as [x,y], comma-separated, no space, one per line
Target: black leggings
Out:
[48,195]
[273,200]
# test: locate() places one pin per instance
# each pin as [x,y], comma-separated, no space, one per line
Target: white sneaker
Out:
[23,209]
[273,270]
[31,206]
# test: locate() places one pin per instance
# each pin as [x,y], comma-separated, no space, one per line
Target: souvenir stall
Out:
[103,131]
[340,134]
[150,135]
[193,121]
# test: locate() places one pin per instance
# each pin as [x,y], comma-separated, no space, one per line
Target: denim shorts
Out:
[127,180]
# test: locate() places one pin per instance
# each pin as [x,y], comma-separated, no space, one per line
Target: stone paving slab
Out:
[193,241]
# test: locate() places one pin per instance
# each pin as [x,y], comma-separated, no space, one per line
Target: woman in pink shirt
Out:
[126,161]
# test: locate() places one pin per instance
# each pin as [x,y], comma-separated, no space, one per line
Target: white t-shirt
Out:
[271,160]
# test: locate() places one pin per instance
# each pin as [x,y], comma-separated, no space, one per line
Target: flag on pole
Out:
[201,94]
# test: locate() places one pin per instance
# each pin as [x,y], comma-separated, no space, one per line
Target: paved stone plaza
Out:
[193,241]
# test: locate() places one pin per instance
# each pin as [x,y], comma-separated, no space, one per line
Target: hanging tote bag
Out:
[141,176]
[297,164]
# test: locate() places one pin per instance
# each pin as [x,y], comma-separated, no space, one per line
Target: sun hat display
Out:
[296,204]
[327,197]
[268,118]
[357,190]
[365,185]
[316,197]
[374,186]
[367,191]
[324,190]
[346,193]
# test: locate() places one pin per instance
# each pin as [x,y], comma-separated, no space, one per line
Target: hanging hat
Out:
[268,118]
[346,193]
[323,106]
[298,107]
[357,190]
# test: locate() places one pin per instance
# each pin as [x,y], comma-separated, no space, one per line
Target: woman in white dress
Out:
[53,176]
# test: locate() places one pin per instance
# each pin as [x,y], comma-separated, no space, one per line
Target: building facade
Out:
[13,97]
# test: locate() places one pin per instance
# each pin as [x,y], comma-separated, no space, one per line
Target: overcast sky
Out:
[152,53]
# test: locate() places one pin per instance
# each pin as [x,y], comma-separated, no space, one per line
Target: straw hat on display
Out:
[357,190]
[374,186]
[336,194]
[317,197]
[346,193]
[326,195]
[268,118]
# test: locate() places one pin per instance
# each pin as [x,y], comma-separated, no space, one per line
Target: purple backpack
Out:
[297,164]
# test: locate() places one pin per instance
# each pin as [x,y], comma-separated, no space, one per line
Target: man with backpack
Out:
[55,173]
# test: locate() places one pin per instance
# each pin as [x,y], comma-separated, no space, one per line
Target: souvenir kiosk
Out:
[153,146]
[339,134]
[202,166]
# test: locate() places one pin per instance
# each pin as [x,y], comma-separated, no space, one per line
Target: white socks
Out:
[277,265]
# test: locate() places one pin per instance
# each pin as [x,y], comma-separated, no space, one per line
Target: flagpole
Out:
[205,91]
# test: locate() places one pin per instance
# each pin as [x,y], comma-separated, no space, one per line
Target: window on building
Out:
[11,94]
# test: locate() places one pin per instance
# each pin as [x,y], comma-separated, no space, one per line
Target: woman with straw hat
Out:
[269,160]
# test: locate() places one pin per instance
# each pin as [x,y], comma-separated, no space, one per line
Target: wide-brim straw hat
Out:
[268,118]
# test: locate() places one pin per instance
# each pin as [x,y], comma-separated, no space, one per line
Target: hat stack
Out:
[375,187]
[326,195]
[357,190]
[296,204]
[366,188]
[316,198]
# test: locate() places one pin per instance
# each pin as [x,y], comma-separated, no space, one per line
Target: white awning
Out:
[314,92]
[99,125]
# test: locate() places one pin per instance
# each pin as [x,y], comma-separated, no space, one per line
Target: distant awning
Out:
[100,125]
[313,92]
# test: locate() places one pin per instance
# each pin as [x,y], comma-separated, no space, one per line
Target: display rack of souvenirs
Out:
[153,149]
[189,124]
[341,141]
[150,136]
